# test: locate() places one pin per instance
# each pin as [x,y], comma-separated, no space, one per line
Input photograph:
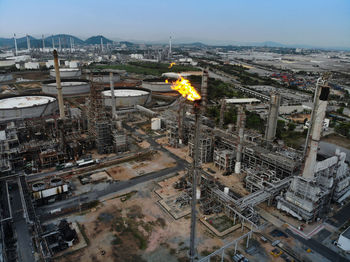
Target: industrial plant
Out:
[166,151]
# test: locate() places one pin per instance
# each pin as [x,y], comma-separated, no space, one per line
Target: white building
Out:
[344,240]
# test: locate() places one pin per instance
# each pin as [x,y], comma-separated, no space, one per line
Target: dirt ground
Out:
[138,229]
[126,171]
[233,181]
[181,152]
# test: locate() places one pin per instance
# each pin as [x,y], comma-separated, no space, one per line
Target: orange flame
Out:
[184,87]
[172,64]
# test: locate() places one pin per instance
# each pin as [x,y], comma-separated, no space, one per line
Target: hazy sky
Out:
[314,22]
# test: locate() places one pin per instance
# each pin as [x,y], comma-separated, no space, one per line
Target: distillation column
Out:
[240,128]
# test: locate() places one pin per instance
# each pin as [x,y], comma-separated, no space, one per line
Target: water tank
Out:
[226,190]
[155,123]
[56,182]
[38,186]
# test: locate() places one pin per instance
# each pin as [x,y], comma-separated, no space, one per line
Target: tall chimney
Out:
[222,112]
[240,128]
[58,84]
[101,44]
[59,44]
[271,126]
[71,47]
[315,129]
[53,42]
[28,43]
[169,47]
[204,89]
[113,102]
[42,36]
[14,37]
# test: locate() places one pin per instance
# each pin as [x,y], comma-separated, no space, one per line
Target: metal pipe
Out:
[113,103]
[193,252]
[58,85]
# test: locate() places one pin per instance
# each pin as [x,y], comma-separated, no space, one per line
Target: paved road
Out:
[120,185]
[319,248]
[110,189]
[341,217]
[24,239]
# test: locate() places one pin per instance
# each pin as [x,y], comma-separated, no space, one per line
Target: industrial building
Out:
[88,120]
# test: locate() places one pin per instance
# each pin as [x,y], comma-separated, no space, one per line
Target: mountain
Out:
[96,40]
[64,38]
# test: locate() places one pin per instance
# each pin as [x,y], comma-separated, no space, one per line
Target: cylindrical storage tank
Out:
[157,85]
[102,77]
[4,77]
[66,73]
[38,186]
[56,182]
[127,97]
[31,106]
[226,190]
[155,123]
[70,87]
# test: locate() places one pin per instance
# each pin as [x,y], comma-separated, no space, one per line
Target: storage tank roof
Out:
[24,101]
[125,92]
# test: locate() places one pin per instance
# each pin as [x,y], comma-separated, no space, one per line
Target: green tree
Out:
[340,110]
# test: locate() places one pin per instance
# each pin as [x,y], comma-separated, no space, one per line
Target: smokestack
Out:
[53,42]
[222,113]
[58,84]
[70,40]
[204,89]
[315,129]
[59,44]
[28,43]
[170,47]
[14,37]
[113,102]
[240,127]
[101,44]
[42,36]
[271,126]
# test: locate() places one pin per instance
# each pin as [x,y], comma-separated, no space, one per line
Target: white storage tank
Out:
[157,85]
[156,123]
[30,106]
[226,190]
[70,87]
[66,73]
[127,97]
